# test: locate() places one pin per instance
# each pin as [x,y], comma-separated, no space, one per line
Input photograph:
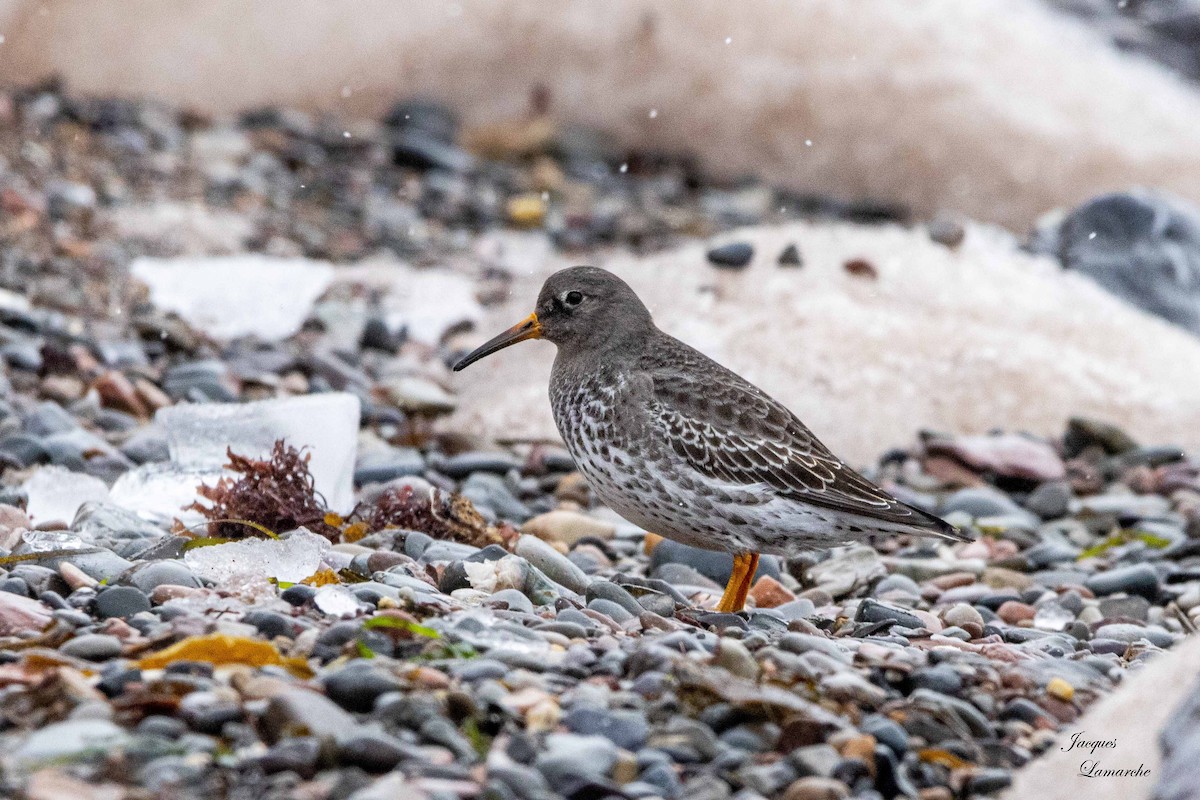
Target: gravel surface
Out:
[476,626]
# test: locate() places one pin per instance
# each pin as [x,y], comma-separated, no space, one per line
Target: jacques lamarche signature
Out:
[1091,767]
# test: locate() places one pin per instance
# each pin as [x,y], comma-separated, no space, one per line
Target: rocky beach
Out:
[258,541]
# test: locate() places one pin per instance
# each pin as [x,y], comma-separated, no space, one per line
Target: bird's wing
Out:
[729,430]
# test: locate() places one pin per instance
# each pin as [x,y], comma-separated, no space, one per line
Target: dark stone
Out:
[415,543]
[988,781]
[376,752]
[1084,433]
[419,150]
[356,687]
[790,257]
[453,578]
[463,464]
[164,727]
[940,678]
[113,681]
[298,595]
[886,732]
[873,611]
[121,601]
[735,255]
[1026,710]
[270,624]
[607,590]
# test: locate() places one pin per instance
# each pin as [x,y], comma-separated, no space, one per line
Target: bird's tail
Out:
[934,525]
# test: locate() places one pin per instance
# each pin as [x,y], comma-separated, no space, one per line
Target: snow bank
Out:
[962,341]
[998,109]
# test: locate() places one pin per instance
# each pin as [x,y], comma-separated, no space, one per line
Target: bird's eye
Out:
[573,298]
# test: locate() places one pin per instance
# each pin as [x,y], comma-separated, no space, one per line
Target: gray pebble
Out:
[515,599]
[1140,579]
[625,729]
[607,590]
[608,608]
[121,601]
[554,564]
[92,647]
[356,687]
[1128,633]
[149,576]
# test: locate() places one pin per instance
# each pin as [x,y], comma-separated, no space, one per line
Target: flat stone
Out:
[92,647]
[873,611]
[20,614]
[1139,579]
[1129,633]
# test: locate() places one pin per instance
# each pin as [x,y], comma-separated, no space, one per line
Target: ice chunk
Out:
[56,493]
[231,296]
[1052,616]
[198,436]
[160,492]
[291,558]
[47,541]
[337,601]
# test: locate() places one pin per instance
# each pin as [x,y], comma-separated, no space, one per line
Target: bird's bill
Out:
[528,328]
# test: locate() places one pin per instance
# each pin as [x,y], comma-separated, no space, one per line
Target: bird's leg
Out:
[744,567]
[747,582]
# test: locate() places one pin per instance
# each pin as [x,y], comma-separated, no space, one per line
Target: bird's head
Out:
[580,309]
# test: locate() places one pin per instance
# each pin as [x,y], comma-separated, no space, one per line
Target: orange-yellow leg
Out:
[740,581]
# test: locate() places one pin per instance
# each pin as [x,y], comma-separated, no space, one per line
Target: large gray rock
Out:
[1179,778]
[1143,247]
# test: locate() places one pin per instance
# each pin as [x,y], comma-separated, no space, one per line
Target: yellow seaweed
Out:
[220,649]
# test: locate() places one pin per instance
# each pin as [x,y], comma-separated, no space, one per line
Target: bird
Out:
[686,448]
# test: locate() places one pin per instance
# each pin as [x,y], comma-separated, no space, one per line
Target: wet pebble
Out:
[121,601]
